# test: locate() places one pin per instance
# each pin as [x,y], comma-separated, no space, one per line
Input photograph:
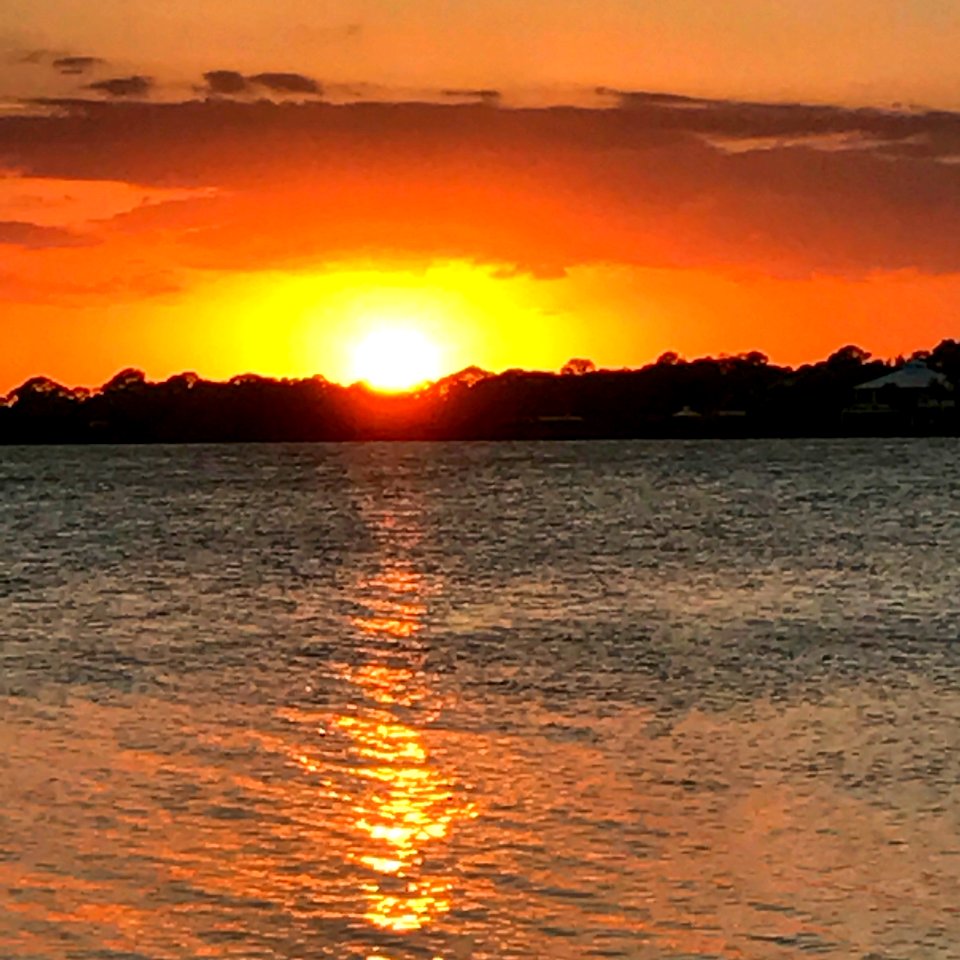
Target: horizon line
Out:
[666,358]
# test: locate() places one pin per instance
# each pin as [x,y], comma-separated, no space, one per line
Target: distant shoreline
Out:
[848,395]
[661,437]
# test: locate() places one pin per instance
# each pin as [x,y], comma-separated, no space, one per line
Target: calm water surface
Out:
[481,701]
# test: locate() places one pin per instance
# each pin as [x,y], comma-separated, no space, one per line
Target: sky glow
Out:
[217,187]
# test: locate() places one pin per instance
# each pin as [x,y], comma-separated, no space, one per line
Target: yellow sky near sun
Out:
[298,325]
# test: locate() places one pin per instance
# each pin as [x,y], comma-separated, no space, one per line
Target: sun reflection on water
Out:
[403,805]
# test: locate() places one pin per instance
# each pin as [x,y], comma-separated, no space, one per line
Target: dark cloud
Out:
[483,95]
[226,82]
[748,120]
[286,83]
[35,236]
[76,65]
[628,98]
[120,87]
[232,83]
[782,189]
[59,60]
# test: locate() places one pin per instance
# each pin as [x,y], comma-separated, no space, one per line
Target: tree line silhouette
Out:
[743,395]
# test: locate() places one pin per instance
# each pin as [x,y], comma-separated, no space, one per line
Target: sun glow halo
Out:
[396,357]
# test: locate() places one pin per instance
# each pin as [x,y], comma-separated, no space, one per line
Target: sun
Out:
[394,357]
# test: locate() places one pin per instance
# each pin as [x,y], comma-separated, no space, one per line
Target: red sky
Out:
[263,217]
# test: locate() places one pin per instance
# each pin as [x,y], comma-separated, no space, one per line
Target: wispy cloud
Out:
[74,65]
[34,57]
[482,95]
[286,83]
[62,61]
[34,236]
[120,87]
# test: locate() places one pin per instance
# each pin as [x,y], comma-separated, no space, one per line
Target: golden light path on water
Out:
[408,804]
[399,803]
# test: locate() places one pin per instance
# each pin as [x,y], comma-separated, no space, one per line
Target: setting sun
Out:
[396,357]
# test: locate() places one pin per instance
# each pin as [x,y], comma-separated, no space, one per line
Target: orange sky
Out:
[344,167]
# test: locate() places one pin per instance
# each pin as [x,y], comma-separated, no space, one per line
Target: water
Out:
[481,701]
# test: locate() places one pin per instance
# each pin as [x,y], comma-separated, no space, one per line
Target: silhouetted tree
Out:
[945,357]
[577,367]
[580,401]
[462,379]
[125,380]
[848,356]
[669,359]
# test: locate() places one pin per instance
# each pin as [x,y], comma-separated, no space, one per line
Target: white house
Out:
[915,384]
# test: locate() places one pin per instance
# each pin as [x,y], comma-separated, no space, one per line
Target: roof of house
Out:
[915,375]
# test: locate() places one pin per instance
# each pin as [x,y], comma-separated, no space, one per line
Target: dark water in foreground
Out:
[545,701]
